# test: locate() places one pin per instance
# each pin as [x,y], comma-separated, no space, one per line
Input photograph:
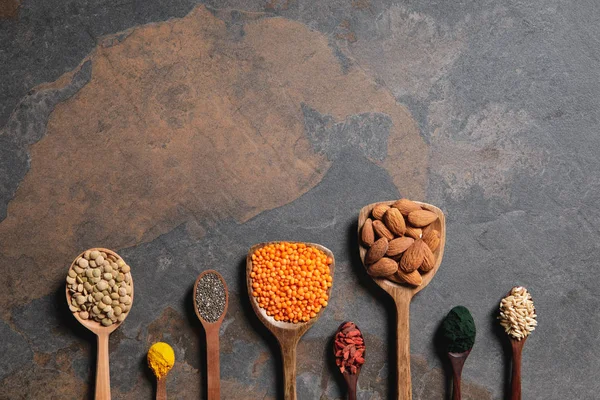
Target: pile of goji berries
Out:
[349,347]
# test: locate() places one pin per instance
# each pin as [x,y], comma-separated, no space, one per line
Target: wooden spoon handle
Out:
[213,368]
[403,348]
[456,377]
[351,381]
[515,384]
[288,353]
[102,369]
[161,388]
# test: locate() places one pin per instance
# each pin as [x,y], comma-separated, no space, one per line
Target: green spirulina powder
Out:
[459,330]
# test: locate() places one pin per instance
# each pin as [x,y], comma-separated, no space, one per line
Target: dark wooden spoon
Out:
[517,352]
[351,379]
[458,361]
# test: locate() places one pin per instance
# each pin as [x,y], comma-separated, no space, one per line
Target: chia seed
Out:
[210,297]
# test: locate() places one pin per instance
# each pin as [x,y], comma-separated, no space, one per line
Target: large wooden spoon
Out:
[102,332]
[213,367]
[403,295]
[288,334]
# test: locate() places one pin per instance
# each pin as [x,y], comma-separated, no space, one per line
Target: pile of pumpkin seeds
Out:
[101,287]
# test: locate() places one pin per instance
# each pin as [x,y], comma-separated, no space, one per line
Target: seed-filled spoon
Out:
[288,334]
[458,330]
[349,352]
[403,295]
[518,318]
[102,391]
[210,304]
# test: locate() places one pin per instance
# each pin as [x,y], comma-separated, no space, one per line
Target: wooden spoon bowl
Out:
[213,370]
[288,334]
[403,294]
[102,332]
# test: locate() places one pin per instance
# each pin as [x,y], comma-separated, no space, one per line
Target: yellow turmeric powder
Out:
[161,359]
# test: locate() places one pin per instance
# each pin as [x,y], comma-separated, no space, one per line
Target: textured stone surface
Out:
[180,135]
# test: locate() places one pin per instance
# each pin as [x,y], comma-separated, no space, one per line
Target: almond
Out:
[384,267]
[399,246]
[413,278]
[432,239]
[421,218]
[367,235]
[428,260]
[394,221]
[413,232]
[413,257]
[406,206]
[376,251]
[381,230]
[427,229]
[379,210]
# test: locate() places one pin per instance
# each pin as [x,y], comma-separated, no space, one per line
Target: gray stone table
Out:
[180,134]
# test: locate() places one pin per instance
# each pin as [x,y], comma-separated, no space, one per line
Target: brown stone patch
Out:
[259,363]
[231,389]
[9,8]
[344,32]
[361,4]
[278,5]
[180,122]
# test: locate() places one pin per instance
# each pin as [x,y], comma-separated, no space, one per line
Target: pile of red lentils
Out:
[290,280]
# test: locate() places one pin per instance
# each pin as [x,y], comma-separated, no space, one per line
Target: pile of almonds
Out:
[100,287]
[400,239]
[349,348]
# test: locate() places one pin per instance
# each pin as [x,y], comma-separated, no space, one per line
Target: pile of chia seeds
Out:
[210,297]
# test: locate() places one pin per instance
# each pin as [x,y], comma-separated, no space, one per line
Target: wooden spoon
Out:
[351,379]
[102,332]
[458,361]
[351,382]
[161,388]
[517,352]
[288,334]
[213,368]
[402,296]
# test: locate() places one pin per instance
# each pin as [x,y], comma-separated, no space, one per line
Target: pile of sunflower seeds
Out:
[101,287]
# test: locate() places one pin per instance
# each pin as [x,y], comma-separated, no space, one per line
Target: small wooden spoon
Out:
[288,334]
[351,382]
[213,368]
[402,296]
[517,352]
[458,361]
[102,332]
[161,388]
[351,379]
